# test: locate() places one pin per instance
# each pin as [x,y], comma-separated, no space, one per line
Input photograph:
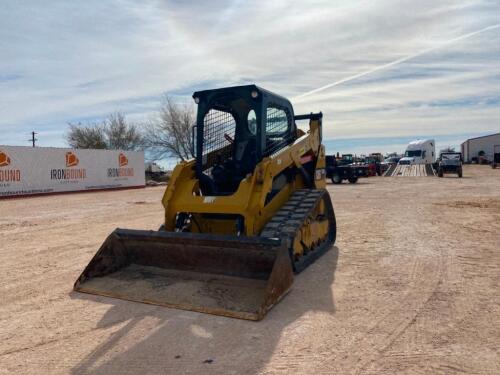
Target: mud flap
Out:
[241,277]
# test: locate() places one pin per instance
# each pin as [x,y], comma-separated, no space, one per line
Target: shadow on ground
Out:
[191,343]
[361,182]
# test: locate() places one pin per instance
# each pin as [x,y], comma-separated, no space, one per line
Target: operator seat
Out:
[244,156]
[227,174]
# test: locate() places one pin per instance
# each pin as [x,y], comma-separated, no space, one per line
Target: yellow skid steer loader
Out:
[243,216]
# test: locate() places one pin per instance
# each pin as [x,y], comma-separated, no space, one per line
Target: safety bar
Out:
[310,116]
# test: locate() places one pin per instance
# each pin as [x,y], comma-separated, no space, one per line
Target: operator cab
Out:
[236,128]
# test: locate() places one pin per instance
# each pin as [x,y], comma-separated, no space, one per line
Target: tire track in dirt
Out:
[392,322]
[451,298]
[425,276]
[395,323]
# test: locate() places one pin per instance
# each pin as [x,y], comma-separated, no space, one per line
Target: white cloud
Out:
[63,61]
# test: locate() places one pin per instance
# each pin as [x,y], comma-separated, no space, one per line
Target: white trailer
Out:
[421,151]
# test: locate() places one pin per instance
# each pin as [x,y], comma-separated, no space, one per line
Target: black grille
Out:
[218,135]
[277,130]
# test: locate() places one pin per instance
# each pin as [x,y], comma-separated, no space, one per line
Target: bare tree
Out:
[86,136]
[121,135]
[169,135]
[114,133]
[447,149]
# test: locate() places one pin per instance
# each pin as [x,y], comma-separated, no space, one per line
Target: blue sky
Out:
[64,61]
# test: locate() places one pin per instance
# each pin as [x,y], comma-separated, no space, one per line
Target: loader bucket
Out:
[241,277]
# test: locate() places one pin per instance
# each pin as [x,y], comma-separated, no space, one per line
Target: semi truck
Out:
[421,151]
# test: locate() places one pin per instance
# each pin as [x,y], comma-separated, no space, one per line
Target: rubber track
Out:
[288,220]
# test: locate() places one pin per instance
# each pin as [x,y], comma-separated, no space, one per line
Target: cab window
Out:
[278,124]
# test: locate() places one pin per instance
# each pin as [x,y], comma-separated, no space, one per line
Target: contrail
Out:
[398,61]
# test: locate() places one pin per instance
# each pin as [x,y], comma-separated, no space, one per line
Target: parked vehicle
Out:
[450,162]
[392,160]
[346,159]
[339,170]
[154,172]
[421,151]
[376,167]
[371,167]
[377,156]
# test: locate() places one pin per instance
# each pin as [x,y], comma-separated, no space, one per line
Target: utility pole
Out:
[33,139]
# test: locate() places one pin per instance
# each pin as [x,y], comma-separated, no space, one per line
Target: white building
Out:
[486,146]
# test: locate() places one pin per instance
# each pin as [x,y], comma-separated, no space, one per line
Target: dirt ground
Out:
[411,287]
